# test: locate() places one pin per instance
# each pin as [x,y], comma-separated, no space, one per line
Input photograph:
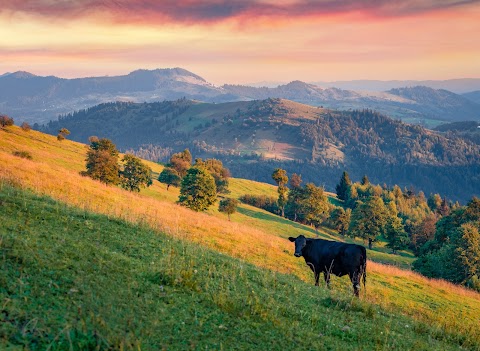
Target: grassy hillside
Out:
[79,280]
[398,303]
[252,137]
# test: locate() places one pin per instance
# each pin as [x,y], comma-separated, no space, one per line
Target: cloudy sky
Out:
[243,41]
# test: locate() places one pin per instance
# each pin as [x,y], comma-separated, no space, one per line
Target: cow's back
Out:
[337,257]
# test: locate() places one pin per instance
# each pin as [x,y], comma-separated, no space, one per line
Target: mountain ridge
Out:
[37,99]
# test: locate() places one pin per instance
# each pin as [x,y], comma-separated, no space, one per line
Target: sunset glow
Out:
[243,41]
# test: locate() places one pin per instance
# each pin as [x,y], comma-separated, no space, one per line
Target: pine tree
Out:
[365,180]
[342,187]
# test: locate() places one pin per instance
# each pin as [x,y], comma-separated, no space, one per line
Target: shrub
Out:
[267,203]
[6,121]
[23,154]
[26,127]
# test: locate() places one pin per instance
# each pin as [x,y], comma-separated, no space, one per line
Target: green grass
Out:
[72,280]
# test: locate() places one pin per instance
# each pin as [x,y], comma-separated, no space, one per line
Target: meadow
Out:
[61,231]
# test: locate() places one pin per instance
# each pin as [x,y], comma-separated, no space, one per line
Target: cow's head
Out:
[300,243]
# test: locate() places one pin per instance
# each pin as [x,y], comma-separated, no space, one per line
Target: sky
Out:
[244,41]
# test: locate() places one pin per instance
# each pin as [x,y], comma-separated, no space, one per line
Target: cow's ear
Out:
[292,239]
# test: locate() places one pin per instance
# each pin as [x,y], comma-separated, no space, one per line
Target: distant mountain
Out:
[473,96]
[439,104]
[35,99]
[39,99]
[458,86]
[296,91]
[253,137]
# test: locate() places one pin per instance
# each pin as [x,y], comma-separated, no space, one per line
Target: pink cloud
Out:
[212,11]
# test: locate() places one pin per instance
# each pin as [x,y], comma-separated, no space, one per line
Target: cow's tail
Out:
[364,273]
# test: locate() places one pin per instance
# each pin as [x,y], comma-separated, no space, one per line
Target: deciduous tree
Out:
[228,206]
[135,174]
[169,176]
[102,161]
[368,220]
[198,191]
[280,177]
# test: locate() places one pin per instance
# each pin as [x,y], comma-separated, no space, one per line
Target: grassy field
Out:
[434,311]
[75,280]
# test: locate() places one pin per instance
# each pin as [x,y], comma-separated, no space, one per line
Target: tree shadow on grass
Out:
[266,216]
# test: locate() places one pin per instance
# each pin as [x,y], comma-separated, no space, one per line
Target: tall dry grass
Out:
[401,291]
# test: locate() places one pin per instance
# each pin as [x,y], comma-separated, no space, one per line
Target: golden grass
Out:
[54,171]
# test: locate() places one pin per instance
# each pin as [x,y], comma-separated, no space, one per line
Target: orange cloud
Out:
[244,41]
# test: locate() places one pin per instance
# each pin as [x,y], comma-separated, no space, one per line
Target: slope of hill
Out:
[440,104]
[36,99]
[316,142]
[198,296]
[473,96]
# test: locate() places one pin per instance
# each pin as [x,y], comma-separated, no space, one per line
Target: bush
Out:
[26,127]
[267,203]
[23,154]
[6,121]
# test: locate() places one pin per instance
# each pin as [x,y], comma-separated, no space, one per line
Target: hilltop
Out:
[185,279]
[253,137]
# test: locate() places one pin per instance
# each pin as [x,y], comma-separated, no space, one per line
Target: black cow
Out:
[333,257]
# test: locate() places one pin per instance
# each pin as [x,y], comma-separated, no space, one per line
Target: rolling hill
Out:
[85,265]
[254,137]
[440,104]
[473,96]
[36,99]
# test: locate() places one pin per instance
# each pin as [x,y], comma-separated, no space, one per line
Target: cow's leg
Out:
[326,276]
[355,279]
